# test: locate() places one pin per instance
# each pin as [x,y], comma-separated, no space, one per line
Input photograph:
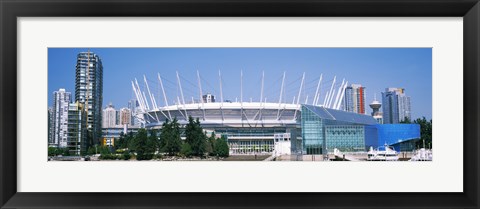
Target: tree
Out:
[54,151]
[152,142]
[406,120]
[170,141]
[141,144]
[425,133]
[120,143]
[51,151]
[130,142]
[103,150]
[195,136]
[186,150]
[221,147]
[210,143]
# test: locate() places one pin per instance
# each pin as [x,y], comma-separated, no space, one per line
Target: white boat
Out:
[422,155]
[382,153]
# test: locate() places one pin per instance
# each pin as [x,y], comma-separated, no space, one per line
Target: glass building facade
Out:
[89,90]
[355,99]
[324,129]
[401,136]
[61,99]
[77,134]
[396,105]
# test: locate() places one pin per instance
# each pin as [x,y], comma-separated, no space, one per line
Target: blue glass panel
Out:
[320,112]
[342,116]
[396,133]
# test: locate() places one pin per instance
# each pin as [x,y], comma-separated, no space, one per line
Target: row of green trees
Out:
[425,131]
[149,144]
[53,151]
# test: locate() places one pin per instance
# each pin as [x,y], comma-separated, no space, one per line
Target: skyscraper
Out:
[61,100]
[355,99]
[77,133]
[125,116]
[49,124]
[109,117]
[133,106]
[117,117]
[396,105]
[89,91]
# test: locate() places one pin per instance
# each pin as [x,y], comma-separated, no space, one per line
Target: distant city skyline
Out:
[374,68]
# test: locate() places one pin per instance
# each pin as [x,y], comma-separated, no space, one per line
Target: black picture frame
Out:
[10,10]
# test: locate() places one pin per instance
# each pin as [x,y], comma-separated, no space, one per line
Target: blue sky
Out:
[374,68]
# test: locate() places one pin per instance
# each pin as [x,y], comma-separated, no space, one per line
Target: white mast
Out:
[181,90]
[281,89]
[331,98]
[280,99]
[221,91]
[261,95]
[331,91]
[140,95]
[148,107]
[338,94]
[137,96]
[261,91]
[201,93]
[181,93]
[241,86]
[300,90]
[154,101]
[325,100]
[221,94]
[315,98]
[163,90]
[154,106]
[164,95]
[241,95]
[341,97]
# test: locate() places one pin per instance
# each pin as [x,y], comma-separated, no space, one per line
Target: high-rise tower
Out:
[61,99]
[109,117]
[89,91]
[396,105]
[133,106]
[355,99]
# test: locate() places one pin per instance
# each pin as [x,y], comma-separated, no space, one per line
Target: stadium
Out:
[260,127]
